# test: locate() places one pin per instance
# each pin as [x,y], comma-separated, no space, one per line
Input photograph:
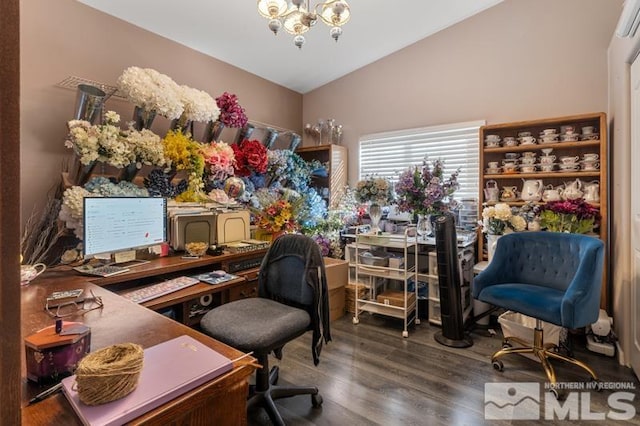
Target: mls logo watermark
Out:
[512,401]
[522,401]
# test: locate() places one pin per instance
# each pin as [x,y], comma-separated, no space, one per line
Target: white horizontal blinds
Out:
[388,154]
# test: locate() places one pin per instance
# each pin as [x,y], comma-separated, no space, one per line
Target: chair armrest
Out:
[581,302]
[493,274]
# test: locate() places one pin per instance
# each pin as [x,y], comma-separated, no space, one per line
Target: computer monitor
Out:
[120,225]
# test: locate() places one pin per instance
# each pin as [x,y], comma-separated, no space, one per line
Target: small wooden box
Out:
[396,298]
[50,356]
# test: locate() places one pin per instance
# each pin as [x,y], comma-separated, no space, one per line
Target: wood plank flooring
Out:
[370,375]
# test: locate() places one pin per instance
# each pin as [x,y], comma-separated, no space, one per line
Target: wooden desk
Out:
[221,401]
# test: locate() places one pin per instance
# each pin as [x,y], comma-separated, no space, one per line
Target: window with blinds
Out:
[388,154]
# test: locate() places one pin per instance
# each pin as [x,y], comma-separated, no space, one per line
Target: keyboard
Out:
[154,291]
[101,271]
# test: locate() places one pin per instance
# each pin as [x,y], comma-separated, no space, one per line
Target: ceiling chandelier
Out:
[297,17]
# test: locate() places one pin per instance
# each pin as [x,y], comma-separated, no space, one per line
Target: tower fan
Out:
[452,333]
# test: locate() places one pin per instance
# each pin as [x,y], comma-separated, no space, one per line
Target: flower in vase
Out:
[152,91]
[288,169]
[251,156]
[231,113]
[198,105]
[101,142]
[498,219]
[275,211]
[219,159]
[574,216]
[147,146]
[425,189]
[373,189]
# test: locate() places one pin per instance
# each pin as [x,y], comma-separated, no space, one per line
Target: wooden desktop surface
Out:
[221,401]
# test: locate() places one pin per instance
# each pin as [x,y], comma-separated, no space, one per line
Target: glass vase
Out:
[375,214]
[423,226]
[492,241]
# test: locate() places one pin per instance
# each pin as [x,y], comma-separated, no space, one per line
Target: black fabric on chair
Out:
[293,298]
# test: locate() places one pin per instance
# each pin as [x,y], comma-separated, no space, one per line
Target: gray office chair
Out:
[293,298]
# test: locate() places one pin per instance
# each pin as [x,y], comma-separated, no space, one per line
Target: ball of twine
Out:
[108,374]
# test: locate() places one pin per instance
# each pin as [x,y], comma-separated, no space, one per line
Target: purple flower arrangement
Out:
[231,113]
[425,190]
[574,216]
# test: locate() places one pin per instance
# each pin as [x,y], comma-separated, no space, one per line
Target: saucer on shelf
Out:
[492,171]
[590,137]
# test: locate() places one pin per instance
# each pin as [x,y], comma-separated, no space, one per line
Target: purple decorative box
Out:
[51,356]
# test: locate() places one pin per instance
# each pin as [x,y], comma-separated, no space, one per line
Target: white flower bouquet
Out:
[103,142]
[151,90]
[147,147]
[198,105]
[498,219]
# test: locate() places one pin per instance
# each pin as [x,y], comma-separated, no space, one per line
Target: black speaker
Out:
[452,333]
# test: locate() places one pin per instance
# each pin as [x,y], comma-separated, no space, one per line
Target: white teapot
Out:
[552,194]
[573,190]
[592,192]
[531,190]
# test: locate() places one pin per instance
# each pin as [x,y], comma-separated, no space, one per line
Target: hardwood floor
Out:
[370,375]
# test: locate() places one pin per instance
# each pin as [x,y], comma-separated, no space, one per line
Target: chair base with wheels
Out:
[543,351]
[553,277]
[261,326]
[266,391]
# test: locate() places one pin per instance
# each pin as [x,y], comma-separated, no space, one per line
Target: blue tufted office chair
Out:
[293,298]
[553,277]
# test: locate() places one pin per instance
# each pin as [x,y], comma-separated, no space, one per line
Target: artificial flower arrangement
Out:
[71,210]
[288,169]
[231,113]
[574,216]
[276,211]
[102,142]
[373,189]
[198,105]
[152,91]
[425,189]
[501,218]
[219,160]
[251,157]
[183,153]
[147,147]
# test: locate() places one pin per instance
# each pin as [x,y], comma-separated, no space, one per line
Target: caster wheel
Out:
[417,320]
[405,334]
[275,377]
[316,400]
[355,320]
[506,345]
[498,365]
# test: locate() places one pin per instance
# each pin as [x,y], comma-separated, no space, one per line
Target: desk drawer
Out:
[243,291]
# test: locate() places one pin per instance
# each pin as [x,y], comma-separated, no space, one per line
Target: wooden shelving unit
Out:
[556,177]
[335,157]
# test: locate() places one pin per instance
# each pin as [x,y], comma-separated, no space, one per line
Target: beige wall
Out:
[66,38]
[621,55]
[519,60]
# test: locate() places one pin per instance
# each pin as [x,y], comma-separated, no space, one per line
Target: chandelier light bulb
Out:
[336,32]
[275,25]
[272,8]
[297,16]
[299,40]
[339,7]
